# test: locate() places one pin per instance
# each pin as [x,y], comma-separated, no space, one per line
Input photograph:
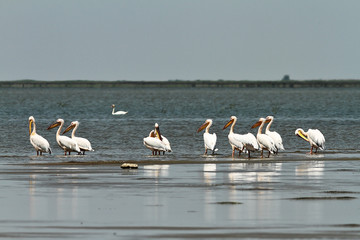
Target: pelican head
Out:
[31,120]
[232,120]
[269,119]
[258,123]
[57,123]
[206,123]
[301,133]
[72,125]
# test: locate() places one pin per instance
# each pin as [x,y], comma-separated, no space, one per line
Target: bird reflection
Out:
[313,169]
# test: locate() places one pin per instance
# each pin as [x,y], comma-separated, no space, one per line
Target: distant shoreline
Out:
[182,84]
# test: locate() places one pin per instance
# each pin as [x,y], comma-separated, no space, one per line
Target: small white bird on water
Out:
[117,112]
[40,144]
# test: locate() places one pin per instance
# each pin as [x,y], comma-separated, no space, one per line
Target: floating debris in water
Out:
[129,165]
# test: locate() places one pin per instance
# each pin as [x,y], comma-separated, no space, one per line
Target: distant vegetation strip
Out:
[181,84]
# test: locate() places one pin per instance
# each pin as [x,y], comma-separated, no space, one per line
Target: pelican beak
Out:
[69,128]
[301,135]
[228,124]
[256,124]
[203,126]
[53,125]
[268,120]
[157,133]
[30,123]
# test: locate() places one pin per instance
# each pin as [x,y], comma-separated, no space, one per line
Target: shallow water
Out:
[182,194]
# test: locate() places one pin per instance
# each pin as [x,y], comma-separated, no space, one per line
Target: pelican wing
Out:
[317,138]
[154,144]
[83,143]
[276,138]
[210,141]
[249,141]
[166,143]
[40,143]
[68,144]
[235,140]
[266,142]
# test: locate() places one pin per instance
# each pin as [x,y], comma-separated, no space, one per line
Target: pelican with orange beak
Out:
[40,144]
[240,141]
[64,142]
[209,139]
[314,137]
[274,135]
[265,141]
[83,143]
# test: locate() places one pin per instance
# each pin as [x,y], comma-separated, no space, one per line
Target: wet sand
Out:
[291,196]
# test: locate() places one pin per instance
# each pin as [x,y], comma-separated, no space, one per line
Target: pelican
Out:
[157,142]
[117,112]
[314,137]
[83,143]
[66,143]
[209,139]
[240,141]
[264,140]
[40,144]
[274,135]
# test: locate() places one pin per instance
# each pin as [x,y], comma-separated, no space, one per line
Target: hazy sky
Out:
[182,39]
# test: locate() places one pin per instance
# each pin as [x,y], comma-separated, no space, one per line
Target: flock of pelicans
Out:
[270,141]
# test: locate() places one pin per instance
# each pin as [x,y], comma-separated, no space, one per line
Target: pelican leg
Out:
[268,154]
[233,152]
[249,154]
[316,150]
[262,153]
[37,153]
[311,150]
[163,152]
[205,151]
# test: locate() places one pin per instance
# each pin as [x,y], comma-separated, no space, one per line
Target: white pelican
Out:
[314,137]
[241,141]
[40,144]
[209,139]
[117,112]
[66,143]
[264,140]
[157,142]
[83,143]
[274,135]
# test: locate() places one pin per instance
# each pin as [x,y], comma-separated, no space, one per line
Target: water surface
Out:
[182,194]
